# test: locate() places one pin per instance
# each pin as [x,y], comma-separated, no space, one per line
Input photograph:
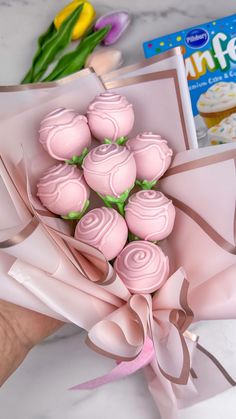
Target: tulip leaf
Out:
[75,60]
[55,43]
[44,37]
[59,41]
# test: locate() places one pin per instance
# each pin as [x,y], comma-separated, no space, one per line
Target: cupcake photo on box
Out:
[210,64]
[224,132]
[217,103]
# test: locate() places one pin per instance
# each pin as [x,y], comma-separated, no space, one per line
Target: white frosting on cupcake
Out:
[225,131]
[219,97]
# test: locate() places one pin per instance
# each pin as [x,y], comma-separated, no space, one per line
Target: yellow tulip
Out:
[86,17]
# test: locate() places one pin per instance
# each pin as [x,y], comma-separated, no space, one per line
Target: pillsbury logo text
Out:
[197,38]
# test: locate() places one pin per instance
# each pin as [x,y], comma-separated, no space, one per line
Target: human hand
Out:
[20,330]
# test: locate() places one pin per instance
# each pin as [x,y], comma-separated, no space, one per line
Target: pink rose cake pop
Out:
[105,229]
[152,156]
[110,169]
[63,191]
[150,215]
[110,116]
[64,134]
[142,266]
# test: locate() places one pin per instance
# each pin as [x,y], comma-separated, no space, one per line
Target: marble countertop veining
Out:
[38,390]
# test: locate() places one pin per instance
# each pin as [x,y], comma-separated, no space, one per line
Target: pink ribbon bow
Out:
[149,326]
[149,331]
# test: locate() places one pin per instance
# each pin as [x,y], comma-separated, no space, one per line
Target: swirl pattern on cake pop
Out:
[110,116]
[105,229]
[64,133]
[152,155]
[110,169]
[150,215]
[62,189]
[142,266]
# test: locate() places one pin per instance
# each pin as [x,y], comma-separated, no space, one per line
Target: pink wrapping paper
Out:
[73,281]
[22,108]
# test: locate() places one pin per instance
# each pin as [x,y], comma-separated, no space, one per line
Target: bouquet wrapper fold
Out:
[45,269]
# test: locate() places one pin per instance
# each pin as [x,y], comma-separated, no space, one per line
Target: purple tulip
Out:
[118,21]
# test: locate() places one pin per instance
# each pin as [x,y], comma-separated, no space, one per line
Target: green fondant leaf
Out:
[121,140]
[78,160]
[132,237]
[107,141]
[144,184]
[74,215]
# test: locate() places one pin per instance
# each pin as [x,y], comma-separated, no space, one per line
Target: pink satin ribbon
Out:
[123,369]
[155,349]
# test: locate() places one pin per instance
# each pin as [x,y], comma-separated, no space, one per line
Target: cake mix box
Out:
[210,61]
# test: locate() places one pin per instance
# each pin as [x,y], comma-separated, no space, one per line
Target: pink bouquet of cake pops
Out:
[135,248]
[111,170]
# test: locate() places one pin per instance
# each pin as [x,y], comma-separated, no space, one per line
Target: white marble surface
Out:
[38,390]
[22,21]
